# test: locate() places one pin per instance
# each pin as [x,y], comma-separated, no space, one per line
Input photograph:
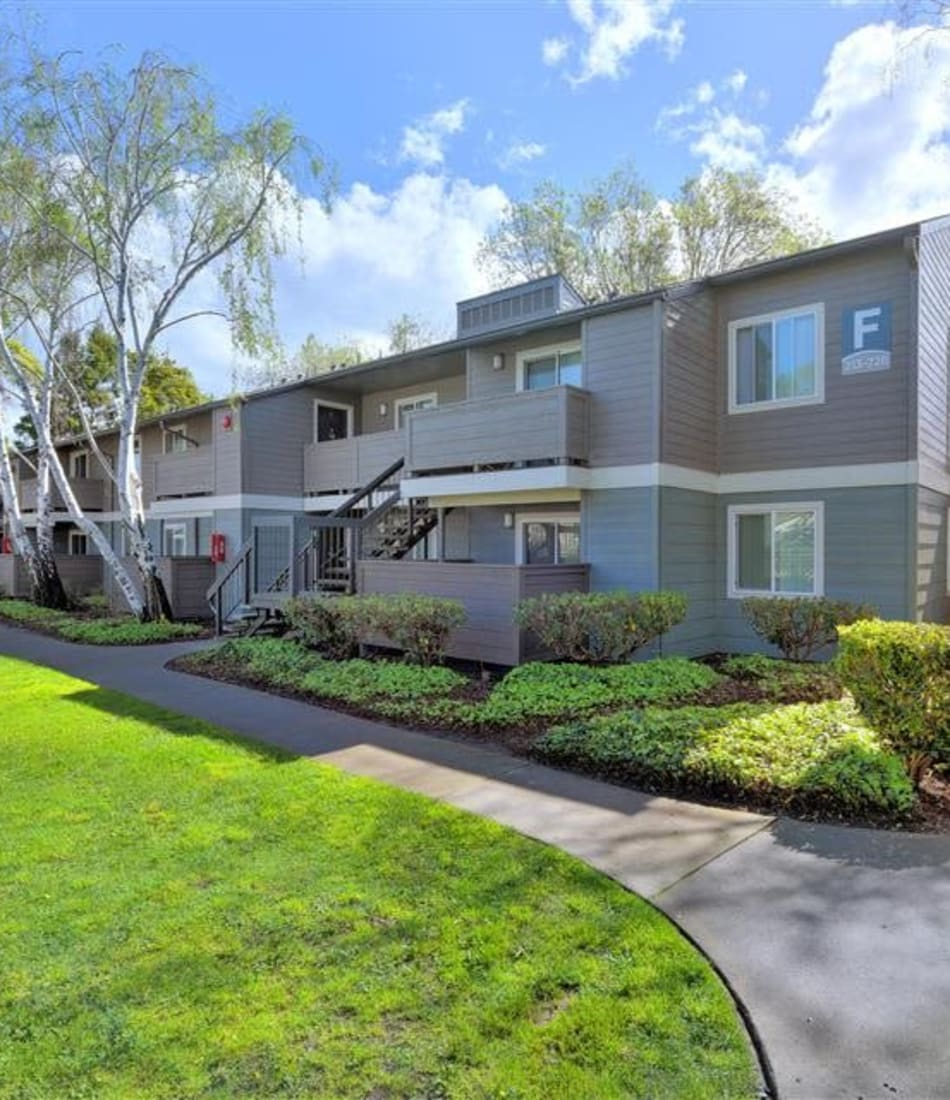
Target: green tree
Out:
[726,220]
[617,237]
[316,357]
[408,332]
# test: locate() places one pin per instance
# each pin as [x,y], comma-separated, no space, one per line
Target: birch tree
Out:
[164,200]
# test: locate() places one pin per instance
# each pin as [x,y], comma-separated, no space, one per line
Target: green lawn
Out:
[183,914]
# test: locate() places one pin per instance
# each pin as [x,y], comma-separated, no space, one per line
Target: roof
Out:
[884,238]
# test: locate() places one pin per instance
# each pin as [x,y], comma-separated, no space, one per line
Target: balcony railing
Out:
[92,494]
[344,465]
[187,473]
[537,425]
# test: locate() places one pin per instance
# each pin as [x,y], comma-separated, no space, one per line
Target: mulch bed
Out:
[931,816]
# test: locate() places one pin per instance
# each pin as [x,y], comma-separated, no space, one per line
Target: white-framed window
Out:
[776,549]
[174,440]
[540,368]
[174,539]
[79,464]
[548,539]
[78,544]
[777,359]
[331,421]
[406,405]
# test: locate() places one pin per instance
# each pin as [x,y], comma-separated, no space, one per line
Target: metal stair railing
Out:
[233,589]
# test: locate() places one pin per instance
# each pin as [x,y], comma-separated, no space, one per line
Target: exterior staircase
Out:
[375,522]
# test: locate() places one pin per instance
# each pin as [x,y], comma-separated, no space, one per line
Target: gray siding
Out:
[688,564]
[227,449]
[619,538]
[933,356]
[274,432]
[868,552]
[489,540]
[689,378]
[485,381]
[621,369]
[448,390]
[865,417]
[932,603]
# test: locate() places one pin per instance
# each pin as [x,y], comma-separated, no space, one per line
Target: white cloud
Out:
[736,81]
[554,50]
[874,148]
[612,31]
[373,256]
[519,153]
[424,141]
[705,92]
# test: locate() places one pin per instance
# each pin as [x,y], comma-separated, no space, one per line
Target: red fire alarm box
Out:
[7,545]
[217,546]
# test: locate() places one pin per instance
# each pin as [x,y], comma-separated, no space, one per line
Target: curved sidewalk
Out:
[837,940]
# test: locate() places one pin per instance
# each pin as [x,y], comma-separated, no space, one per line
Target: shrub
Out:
[809,755]
[599,627]
[269,661]
[418,625]
[325,623]
[801,625]
[899,675]
[362,681]
[559,692]
[784,681]
[119,630]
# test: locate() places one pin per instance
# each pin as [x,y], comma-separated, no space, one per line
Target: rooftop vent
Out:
[516,305]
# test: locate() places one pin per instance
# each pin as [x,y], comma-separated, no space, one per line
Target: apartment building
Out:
[780,429]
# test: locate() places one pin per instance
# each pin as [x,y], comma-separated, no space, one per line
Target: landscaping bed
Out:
[186,914]
[750,731]
[89,625]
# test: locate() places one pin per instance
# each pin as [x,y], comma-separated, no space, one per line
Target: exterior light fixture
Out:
[498,361]
[383,409]
[509,519]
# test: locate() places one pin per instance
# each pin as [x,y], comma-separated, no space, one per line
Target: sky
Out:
[437,114]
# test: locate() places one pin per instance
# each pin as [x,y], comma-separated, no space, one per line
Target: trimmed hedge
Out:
[599,627]
[801,625]
[119,630]
[418,625]
[899,675]
[808,755]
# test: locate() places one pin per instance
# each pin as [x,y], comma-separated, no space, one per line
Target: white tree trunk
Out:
[95,533]
[11,507]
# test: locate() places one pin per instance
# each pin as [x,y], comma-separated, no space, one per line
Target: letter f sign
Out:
[866,321]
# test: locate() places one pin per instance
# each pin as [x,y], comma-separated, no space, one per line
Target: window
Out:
[545,367]
[549,540]
[331,421]
[79,464]
[174,540]
[174,440]
[776,550]
[78,546]
[777,359]
[406,405]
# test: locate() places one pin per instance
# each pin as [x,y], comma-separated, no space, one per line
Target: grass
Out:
[118,630]
[185,915]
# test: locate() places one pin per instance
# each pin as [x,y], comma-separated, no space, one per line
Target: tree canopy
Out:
[617,237]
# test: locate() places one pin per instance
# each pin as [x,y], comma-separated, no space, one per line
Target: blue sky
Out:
[437,113]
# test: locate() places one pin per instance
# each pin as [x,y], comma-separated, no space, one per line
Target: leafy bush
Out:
[899,675]
[96,603]
[418,625]
[269,661]
[784,681]
[120,630]
[362,681]
[599,627]
[325,623]
[809,755]
[558,692]
[801,625]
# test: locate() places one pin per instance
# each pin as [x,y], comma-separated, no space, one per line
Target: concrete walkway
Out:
[836,940]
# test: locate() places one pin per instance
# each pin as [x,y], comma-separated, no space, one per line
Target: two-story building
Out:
[781,429]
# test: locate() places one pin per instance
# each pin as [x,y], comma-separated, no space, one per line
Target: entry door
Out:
[333,422]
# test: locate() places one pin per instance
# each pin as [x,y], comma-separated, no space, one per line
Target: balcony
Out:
[549,425]
[342,465]
[185,474]
[93,494]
